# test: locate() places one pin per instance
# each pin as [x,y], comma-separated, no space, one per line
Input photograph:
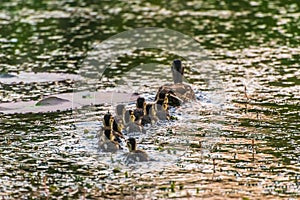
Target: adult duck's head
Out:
[177,71]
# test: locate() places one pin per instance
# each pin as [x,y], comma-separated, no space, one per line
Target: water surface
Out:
[240,141]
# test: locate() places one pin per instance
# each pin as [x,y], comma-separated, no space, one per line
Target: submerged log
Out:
[67,101]
[52,100]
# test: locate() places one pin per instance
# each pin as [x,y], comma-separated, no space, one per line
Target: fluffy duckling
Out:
[150,115]
[109,124]
[108,141]
[117,128]
[140,107]
[134,154]
[120,116]
[179,91]
[142,112]
[161,108]
[127,118]
[133,125]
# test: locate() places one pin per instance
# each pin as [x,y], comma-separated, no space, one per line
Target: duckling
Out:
[120,115]
[117,129]
[161,108]
[108,141]
[149,115]
[109,124]
[173,100]
[135,155]
[133,125]
[127,118]
[179,92]
[139,111]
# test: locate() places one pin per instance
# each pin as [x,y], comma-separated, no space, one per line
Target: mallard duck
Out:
[131,124]
[179,92]
[109,141]
[161,108]
[134,154]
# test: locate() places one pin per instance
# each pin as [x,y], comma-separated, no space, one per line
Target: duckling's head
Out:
[148,109]
[140,102]
[120,109]
[132,117]
[177,71]
[162,94]
[163,97]
[129,116]
[160,107]
[131,144]
[107,119]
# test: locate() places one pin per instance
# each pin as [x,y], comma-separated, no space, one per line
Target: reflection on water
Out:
[238,142]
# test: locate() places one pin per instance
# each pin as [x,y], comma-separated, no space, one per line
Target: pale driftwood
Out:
[67,101]
[30,77]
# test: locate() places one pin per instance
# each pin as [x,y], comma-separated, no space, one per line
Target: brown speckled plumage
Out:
[179,92]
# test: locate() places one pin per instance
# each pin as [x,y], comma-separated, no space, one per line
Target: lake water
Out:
[239,140]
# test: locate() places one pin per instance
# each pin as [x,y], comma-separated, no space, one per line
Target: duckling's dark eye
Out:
[111,120]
